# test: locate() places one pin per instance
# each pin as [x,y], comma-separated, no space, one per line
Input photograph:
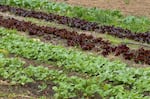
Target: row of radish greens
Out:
[107,79]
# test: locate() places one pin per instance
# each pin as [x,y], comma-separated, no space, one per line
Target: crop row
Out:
[65,87]
[13,69]
[86,42]
[112,72]
[81,24]
[104,17]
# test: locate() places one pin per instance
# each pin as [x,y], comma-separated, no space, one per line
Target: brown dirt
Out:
[28,91]
[134,7]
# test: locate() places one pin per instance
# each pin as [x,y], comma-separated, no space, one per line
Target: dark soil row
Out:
[80,24]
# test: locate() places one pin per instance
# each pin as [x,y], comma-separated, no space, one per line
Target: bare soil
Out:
[133,7]
[28,91]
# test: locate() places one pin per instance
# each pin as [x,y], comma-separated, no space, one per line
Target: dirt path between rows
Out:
[134,7]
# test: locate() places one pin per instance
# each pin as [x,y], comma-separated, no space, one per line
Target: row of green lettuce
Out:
[104,17]
[13,69]
[72,60]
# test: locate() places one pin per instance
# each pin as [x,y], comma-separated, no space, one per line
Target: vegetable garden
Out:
[59,51]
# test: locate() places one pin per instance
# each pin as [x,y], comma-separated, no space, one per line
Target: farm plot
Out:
[128,7]
[72,67]
[74,39]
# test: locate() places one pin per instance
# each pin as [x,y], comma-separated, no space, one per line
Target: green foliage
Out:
[66,87]
[117,73]
[11,69]
[104,17]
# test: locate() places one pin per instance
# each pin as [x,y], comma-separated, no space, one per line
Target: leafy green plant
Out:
[66,87]
[73,60]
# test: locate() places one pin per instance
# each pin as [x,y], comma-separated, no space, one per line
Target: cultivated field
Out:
[53,50]
[128,7]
